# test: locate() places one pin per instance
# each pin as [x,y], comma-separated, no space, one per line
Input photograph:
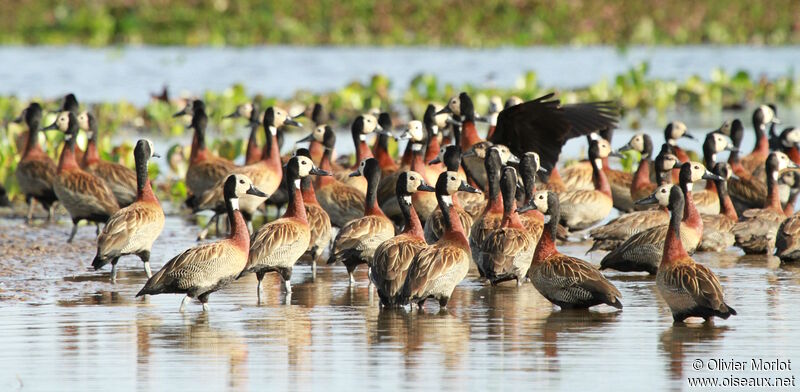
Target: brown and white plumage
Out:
[356,242]
[565,281]
[205,169]
[506,252]
[492,215]
[85,196]
[342,202]
[265,174]
[690,289]
[437,269]
[277,246]
[393,257]
[120,179]
[450,156]
[717,235]
[319,223]
[204,269]
[132,229]
[35,171]
[642,251]
[362,127]
[707,200]
[581,209]
[757,229]
[787,242]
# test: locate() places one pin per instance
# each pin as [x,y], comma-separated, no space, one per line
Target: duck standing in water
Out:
[356,242]
[507,251]
[393,257]
[717,234]
[85,196]
[278,245]
[204,269]
[133,229]
[690,289]
[318,220]
[35,171]
[119,178]
[565,281]
[437,269]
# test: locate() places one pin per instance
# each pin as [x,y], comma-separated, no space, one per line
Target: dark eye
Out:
[412,178]
[663,191]
[241,181]
[452,178]
[304,162]
[541,197]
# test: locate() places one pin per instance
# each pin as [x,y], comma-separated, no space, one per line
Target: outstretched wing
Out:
[543,125]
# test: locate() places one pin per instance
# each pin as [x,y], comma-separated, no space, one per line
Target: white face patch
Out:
[407,199]
[448,200]
[297,183]
[235,203]
[273,130]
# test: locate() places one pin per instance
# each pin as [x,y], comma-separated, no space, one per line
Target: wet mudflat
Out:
[64,326]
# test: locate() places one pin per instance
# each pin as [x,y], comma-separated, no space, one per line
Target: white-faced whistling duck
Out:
[492,215]
[506,252]
[438,268]
[119,178]
[762,117]
[278,245]
[318,220]
[435,224]
[342,202]
[642,251]
[674,131]
[690,289]
[133,229]
[462,110]
[265,174]
[424,202]
[362,126]
[707,200]
[614,233]
[565,281]
[393,257]
[35,171]
[85,196]
[204,269]
[789,142]
[356,242]
[717,235]
[205,168]
[747,191]
[533,220]
[641,186]
[581,209]
[249,112]
[380,149]
[755,232]
[70,104]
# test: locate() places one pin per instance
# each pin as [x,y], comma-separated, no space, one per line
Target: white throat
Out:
[297,183]
[775,175]
[448,200]
[416,147]
[235,203]
[273,130]
[689,186]
[362,137]
[435,129]
[407,199]
[599,163]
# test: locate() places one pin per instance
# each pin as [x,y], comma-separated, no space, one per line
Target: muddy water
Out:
[65,326]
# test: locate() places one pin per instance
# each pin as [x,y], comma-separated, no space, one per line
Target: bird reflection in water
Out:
[681,340]
[572,324]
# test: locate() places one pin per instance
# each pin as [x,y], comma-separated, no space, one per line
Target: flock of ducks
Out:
[451,202]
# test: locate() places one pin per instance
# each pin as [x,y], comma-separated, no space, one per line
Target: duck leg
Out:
[203,233]
[114,271]
[51,213]
[286,274]
[145,256]
[204,300]
[74,231]
[185,301]
[31,203]
[260,277]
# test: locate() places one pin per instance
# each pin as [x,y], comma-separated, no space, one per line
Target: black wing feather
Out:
[543,125]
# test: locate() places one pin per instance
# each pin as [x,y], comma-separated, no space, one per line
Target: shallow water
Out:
[129,72]
[71,329]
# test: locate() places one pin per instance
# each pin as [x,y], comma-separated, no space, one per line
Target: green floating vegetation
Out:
[637,93]
[411,22]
